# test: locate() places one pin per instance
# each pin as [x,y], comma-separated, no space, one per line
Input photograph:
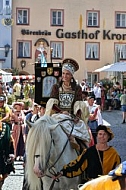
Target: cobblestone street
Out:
[14,181]
[119,130]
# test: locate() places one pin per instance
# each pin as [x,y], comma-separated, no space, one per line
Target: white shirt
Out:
[97,92]
[92,109]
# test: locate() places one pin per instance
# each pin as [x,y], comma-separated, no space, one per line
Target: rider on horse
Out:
[66,98]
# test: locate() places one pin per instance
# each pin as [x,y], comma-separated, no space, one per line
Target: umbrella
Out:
[117,67]
[102,68]
[5,77]
[114,66]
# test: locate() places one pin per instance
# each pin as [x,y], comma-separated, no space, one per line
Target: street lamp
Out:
[23,64]
[51,51]
[7,48]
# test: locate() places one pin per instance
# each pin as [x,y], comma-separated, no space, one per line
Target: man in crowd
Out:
[123,105]
[95,117]
[4,111]
[17,89]
[97,93]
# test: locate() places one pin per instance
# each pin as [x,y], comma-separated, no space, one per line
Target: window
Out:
[57,17]
[92,51]
[120,20]
[1,7]
[24,49]
[7,7]
[122,51]
[92,78]
[92,18]
[23,16]
[57,50]
[7,2]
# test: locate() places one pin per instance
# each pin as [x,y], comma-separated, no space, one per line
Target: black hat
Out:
[70,65]
[107,130]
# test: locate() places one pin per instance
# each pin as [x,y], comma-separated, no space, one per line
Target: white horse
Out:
[47,139]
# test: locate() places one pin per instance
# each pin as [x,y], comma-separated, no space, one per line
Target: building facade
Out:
[87,31]
[6,34]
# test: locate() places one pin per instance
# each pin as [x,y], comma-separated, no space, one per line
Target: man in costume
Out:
[6,152]
[4,111]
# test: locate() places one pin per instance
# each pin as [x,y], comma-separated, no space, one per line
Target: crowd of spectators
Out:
[108,97]
[97,99]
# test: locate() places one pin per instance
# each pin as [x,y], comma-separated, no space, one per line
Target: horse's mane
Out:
[38,142]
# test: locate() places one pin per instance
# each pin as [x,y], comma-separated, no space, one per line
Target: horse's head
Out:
[39,140]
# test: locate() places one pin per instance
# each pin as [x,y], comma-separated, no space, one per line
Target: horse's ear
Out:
[30,125]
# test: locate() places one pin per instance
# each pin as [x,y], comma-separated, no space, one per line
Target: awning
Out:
[24,77]
[8,78]
[5,77]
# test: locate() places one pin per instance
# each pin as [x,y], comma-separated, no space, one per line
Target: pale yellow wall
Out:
[74,48]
